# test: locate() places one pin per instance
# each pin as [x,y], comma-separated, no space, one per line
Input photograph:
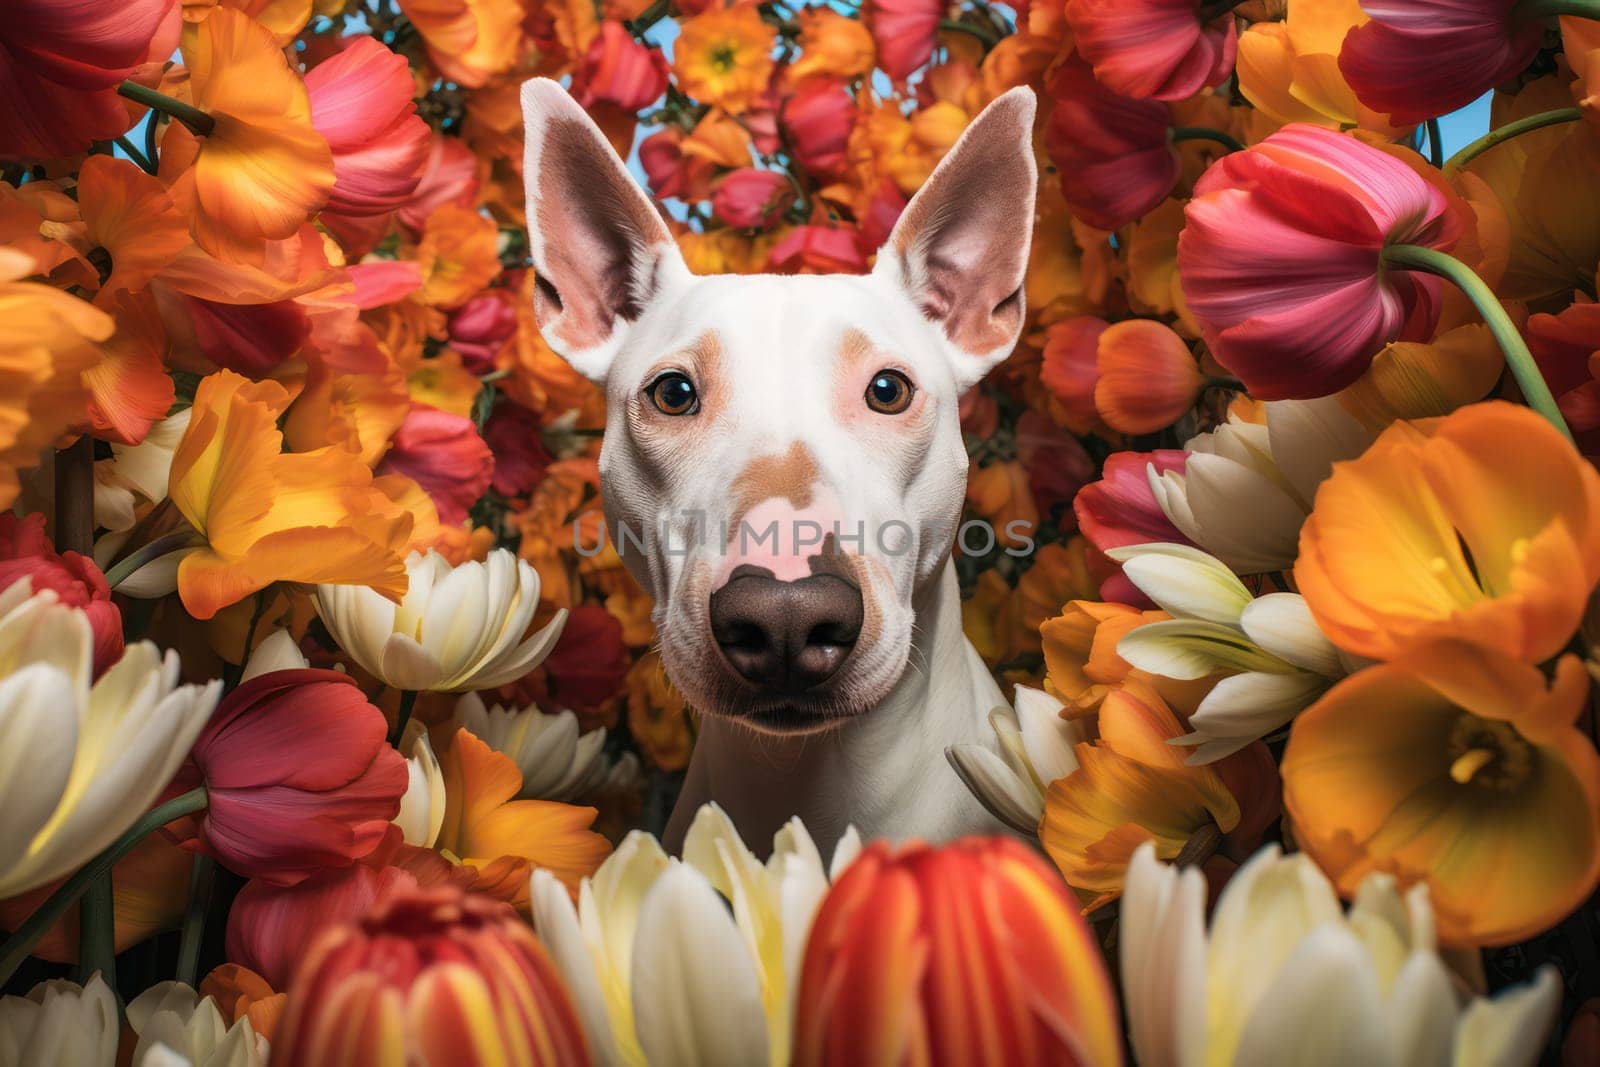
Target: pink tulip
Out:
[443,453]
[482,327]
[619,70]
[299,774]
[1418,59]
[818,249]
[1280,259]
[1113,153]
[819,118]
[905,32]
[752,198]
[1120,509]
[1154,48]
[361,103]
[449,176]
[25,552]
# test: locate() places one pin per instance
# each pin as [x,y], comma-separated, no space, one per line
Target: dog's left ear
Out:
[601,251]
[960,248]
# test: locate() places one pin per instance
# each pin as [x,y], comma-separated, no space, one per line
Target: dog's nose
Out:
[786,636]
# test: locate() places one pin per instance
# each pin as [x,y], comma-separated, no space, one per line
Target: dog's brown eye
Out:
[673,394]
[889,392]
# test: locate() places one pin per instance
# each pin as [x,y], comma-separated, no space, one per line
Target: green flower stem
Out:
[1508,131]
[1518,358]
[97,933]
[124,568]
[408,699]
[1543,9]
[985,34]
[1435,143]
[135,154]
[1206,133]
[202,876]
[199,123]
[19,944]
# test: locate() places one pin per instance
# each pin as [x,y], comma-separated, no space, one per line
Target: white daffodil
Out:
[458,628]
[661,972]
[557,761]
[422,808]
[179,1028]
[60,1024]
[1276,660]
[1276,468]
[1037,746]
[80,763]
[136,475]
[1287,976]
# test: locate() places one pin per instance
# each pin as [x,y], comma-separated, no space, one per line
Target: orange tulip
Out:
[430,978]
[973,952]
[1459,767]
[266,516]
[1148,377]
[49,342]
[724,57]
[469,41]
[1439,531]
[263,169]
[482,823]
[1130,787]
[1080,650]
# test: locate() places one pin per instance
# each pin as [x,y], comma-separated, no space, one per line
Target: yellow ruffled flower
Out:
[724,58]
[267,516]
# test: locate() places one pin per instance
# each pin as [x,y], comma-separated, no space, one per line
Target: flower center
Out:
[1488,753]
[724,59]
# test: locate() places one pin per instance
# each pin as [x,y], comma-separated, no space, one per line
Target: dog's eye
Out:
[673,394]
[889,392]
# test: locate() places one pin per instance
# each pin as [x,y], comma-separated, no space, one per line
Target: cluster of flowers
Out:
[304,676]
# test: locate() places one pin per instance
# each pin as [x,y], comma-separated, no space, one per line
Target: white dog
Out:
[783,470]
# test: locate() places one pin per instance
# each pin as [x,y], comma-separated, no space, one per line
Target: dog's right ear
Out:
[601,251]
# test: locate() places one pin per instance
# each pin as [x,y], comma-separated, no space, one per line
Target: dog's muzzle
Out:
[786,637]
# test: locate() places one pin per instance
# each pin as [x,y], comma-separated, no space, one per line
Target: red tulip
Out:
[361,103]
[25,552]
[1418,59]
[482,327]
[252,339]
[270,927]
[444,454]
[1071,368]
[430,978]
[1281,259]
[818,119]
[818,249]
[299,775]
[877,219]
[589,662]
[1113,153]
[661,158]
[619,70]
[1165,49]
[1120,509]
[974,952]
[905,32]
[60,64]
[752,198]
[1567,349]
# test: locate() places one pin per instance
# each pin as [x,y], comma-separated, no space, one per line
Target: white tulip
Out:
[1276,467]
[1287,976]
[137,474]
[422,807]
[557,761]
[179,1028]
[60,1024]
[1276,659]
[276,652]
[661,972]
[1037,746]
[81,763]
[457,628]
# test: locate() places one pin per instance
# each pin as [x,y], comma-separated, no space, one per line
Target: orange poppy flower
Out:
[50,340]
[459,255]
[266,516]
[1459,767]
[1130,787]
[832,45]
[130,389]
[483,823]
[724,58]
[129,214]
[1438,531]
[263,169]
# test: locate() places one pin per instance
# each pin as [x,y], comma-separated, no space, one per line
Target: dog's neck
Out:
[884,771]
